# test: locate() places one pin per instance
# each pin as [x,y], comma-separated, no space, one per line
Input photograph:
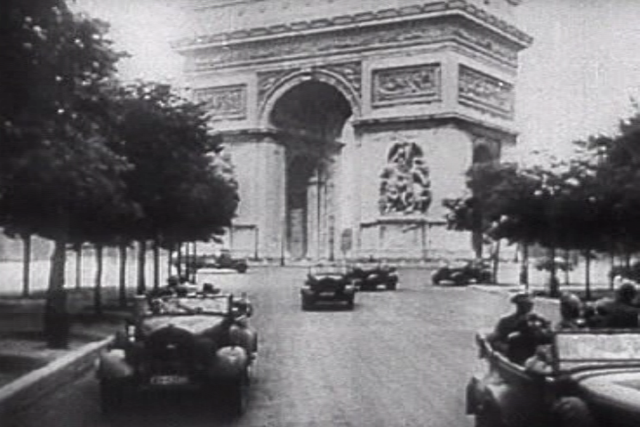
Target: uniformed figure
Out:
[621,311]
[518,334]
[571,312]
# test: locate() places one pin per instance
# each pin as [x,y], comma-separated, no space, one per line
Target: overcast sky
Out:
[577,79]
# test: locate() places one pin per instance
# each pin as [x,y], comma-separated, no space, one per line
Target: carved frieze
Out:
[402,85]
[223,102]
[485,93]
[352,40]
[267,80]
[405,187]
[350,72]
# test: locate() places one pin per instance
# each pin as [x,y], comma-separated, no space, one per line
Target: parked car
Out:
[592,379]
[327,283]
[463,273]
[222,261]
[371,277]
[199,341]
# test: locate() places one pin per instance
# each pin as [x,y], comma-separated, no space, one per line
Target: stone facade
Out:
[352,118]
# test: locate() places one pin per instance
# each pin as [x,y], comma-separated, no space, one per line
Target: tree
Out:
[185,190]
[55,169]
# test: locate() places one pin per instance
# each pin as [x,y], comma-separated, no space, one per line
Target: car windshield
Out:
[587,348]
[327,270]
[191,305]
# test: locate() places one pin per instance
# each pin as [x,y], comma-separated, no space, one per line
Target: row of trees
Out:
[587,203]
[85,158]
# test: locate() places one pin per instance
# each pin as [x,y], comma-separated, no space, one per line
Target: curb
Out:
[20,397]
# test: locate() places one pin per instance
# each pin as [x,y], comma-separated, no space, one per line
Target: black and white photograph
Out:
[319,213]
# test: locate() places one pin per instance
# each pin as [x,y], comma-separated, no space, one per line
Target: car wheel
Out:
[237,396]
[242,268]
[350,303]
[112,396]
[392,286]
[307,304]
[488,417]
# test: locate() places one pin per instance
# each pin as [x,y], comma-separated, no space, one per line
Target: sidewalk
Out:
[22,345]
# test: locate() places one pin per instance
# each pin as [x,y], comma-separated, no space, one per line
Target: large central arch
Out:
[309,117]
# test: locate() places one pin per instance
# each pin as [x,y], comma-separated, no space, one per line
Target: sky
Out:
[577,79]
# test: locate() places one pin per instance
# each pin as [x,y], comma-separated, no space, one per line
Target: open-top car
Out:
[327,283]
[592,379]
[463,273]
[201,341]
[195,263]
[371,277]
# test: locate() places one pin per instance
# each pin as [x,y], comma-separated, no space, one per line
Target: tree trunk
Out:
[56,318]
[78,249]
[587,275]
[477,243]
[524,267]
[26,265]
[142,253]
[496,261]
[195,257]
[554,285]
[170,253]
[566,265]
[122,279]
[97,290]
[612,259]
[156,264]
[179,260]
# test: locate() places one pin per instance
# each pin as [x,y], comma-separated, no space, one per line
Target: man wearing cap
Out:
[518,322]
[621,312]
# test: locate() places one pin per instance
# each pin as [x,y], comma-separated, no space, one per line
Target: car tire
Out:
[488,417]
[307,304]
[112,396]
[350,303]
[392,286]
[237,396]
[242,268]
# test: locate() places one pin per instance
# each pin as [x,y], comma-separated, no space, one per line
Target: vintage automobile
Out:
[592,379]
[199,341]
[463,273]
[371,277]
[327,283]
[224,260]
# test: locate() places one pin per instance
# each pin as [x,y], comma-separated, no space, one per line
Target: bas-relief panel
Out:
[402,85]
[485,93]
[405,187]
[223,102]
[361,39]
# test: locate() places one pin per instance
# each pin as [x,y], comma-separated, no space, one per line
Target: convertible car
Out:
[200,341]
[592,379]
[463,273]
[327,283]
[370,277]
[193,264]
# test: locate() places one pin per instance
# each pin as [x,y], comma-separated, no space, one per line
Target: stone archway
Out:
[309,118]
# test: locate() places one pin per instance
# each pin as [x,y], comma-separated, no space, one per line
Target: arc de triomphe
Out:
[349,121]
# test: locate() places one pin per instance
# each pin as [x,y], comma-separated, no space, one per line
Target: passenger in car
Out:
[621,312]
[518,334]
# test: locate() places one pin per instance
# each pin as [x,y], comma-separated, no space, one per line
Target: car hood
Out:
[618,388]
[196,324]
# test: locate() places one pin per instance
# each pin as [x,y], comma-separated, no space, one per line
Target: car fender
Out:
[232,361]
[112,364]
[245,337]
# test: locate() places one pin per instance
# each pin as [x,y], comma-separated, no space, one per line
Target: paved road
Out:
[399,359]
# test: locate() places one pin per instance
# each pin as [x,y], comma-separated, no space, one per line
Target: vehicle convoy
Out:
[592,380]
[463,273]
[371,277]
[198,341]
[327,283]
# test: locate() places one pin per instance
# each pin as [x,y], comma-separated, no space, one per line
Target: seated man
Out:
[620,312]
[518,334]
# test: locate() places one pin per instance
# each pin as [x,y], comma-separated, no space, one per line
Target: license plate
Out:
[169,380]
[327,294]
